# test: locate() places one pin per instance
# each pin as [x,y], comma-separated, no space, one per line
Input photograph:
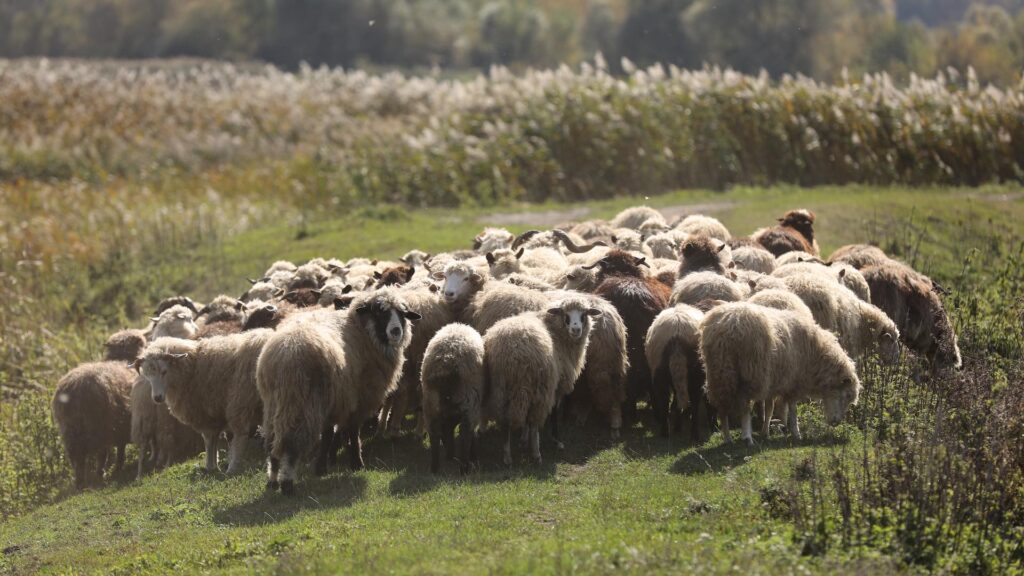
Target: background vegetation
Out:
[812,37]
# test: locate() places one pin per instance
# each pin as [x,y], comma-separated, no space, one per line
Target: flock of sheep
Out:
[583,320]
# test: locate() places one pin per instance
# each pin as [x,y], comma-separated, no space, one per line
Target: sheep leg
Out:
[746,424]
[615,419]
[506,455]
[144,450]
[767,408]
[723,417]
[435,446]
[468,439]
[794,427]
[399,404]
[273,467]
[102,464]
[210,439]
[449,438]
[81,472]
[119,463]
[323,455]
[553,419]
[535,444]
[355,449]
[286,474]
[236,450]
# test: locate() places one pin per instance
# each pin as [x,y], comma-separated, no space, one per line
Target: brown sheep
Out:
[638,298]
[394,276]
[859,255]
[91,408]
[702,253]
[794,232]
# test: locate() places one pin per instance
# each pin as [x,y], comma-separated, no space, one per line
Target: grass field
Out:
[640,504]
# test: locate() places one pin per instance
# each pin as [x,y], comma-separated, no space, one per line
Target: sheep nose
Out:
[158,398]
[449,294]
[395,332]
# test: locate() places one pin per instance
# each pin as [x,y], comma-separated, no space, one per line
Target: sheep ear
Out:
[476,277]
[437,275]
[136,365]
[279,292]
[842,272]
[239,305]
[722,247]
[410,273]
[373,262]
[752,284]
[205,310]
[377,275]
[732,264]
[363,309]
[780,219]
[520,253]
[592,266]
[317,292]
[340,304]
[348,288]
[411,316]
[556,311]
[642,261]
[270,308]
[177,356]
[154,318]
[490,258]
[614,239]
[593,312]
[184,316]
[433,288]
[252,280]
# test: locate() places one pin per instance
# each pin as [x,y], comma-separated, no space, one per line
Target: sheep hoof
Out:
[559,444]
[288,487]
[750,440]
[616,434]
[273,485]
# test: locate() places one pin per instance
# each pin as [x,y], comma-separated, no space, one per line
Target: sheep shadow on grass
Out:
[337,490]
[414,476]
[722,456]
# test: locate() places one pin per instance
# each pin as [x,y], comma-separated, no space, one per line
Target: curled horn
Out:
[592,266]
[252,280]
[524,237]
[571,246]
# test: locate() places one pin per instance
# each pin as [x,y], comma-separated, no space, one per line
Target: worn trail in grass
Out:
[638,504]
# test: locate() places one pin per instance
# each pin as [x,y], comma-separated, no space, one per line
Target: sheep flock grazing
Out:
[636,321]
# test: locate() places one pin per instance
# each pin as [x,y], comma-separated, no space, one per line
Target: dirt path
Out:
[554,217]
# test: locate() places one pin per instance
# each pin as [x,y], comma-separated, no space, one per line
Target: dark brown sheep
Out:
[638,299]
[125,345]
[795,231]
[912,301]
[92,408]
[394,276]
[702,254]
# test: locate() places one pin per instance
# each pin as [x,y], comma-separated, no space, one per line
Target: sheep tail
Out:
[678,366]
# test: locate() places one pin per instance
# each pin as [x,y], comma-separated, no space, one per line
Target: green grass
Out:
[642,504]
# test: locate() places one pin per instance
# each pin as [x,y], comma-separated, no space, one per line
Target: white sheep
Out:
[452,387]
[330,368]
[634,217]
[672,347]
[528,359]
[754,258]
[700,286]
[698,224]
[754,353]
[209,385]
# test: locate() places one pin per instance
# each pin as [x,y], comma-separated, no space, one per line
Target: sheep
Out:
[665,244]
[859,255]
[176,301]
[301,297]
[602,384]
[124,345]
[672,348]
[452,388]
[592,230]
[842,273]
[701,253]
[527,281]
[434,315]
[532,359]
[794,232]
[653,226]
[331,369]
[795,256]
[332,290]
[280,266]
[781,300]
[859,325]
[580,278]
[633,217]
[209,385]
[543,263]
[628,240]
[913,302]
[499,300]
[159,437]
[261,290]
[461,283]
[91,407]
[638,298]
[698,224]
[492,239]
[223,315]
[706,286]
[309,275]
[754,353]
[754,259]
[415,258]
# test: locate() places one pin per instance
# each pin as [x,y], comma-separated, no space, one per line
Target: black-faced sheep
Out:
[754,353]
[794,232]
[91,408]
[332,369]
[528,359]
[452,387]
[673,353]
[209,385]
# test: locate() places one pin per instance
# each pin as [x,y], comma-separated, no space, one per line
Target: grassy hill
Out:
[639,504]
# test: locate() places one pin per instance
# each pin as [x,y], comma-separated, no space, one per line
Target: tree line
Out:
[819,38]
